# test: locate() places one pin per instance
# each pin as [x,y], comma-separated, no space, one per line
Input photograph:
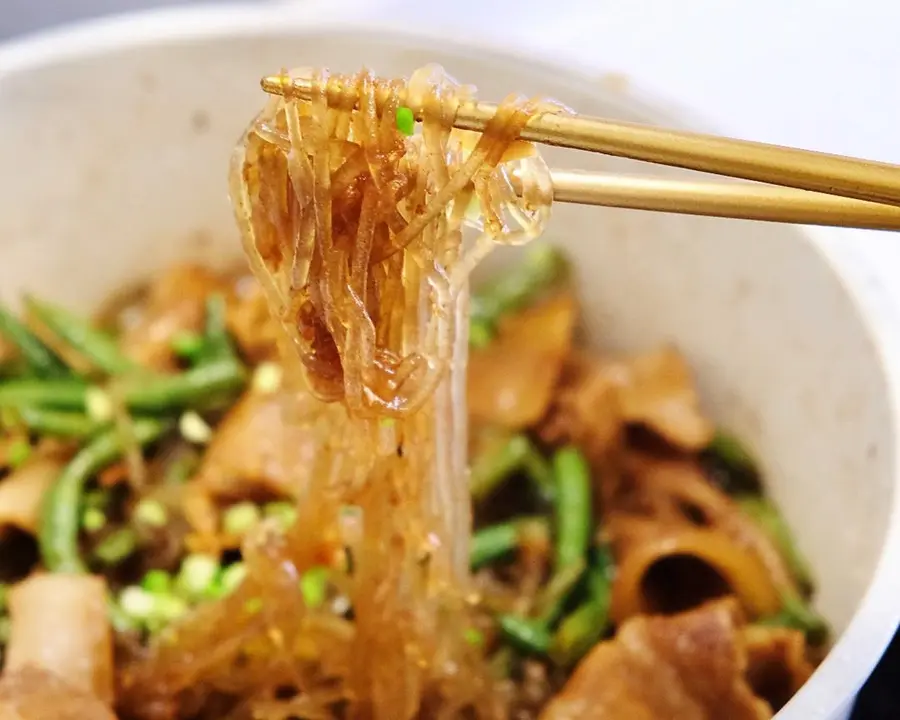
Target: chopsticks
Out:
[745,201]
[809,187]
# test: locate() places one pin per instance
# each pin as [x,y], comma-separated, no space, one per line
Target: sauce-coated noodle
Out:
[357,236]
[355,232]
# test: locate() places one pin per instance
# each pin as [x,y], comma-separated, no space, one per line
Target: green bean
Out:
[797,614]
[497,541]
[525,634]
[573,506]
[492,543]
[95,345]
[187,345]
[216,340]
[40,358]
[57,423]
[552,598]
[66,394]
[199,386]
[770,521]
[61,511]
[730,466]
[18,453]
[540,472]
[583,628]
[731,451]
[542,267]
[490,469]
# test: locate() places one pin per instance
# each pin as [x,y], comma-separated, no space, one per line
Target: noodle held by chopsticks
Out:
[355,232]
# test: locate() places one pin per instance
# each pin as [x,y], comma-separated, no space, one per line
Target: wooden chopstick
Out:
[816,188]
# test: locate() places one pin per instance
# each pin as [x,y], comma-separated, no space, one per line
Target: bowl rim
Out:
[857,650]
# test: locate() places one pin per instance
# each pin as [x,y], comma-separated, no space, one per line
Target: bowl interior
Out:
[121,166]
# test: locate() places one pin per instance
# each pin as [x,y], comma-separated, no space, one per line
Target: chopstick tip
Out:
[275,84]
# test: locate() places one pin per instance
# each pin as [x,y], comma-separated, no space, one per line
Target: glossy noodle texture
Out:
[341,486]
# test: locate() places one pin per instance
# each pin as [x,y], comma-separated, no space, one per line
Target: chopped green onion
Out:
[474,637]
[151,513]
[166,608]
[314,586]
[98,404]
[406,121]
[18,453]
[267,378]
[197,574]
[232,576]
[240,518]
[93,519]
[157,581]
[194,428]
[117,546]
[136,602]
[284,513]
[121,620]
[187,345]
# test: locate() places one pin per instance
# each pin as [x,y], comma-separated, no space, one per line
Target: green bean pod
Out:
[95,345]
[61,508]
[217,341]
[490,469]
[542,267]
[198,386]
[64,394]
[57,423]
[495,542]
[552,598]
[771,522]
[525,634]
[572,506]
[39,358]
[797,614]
[583,628]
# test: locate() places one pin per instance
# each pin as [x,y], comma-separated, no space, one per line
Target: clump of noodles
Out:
[355,232]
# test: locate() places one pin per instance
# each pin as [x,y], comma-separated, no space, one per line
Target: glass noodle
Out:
[363,239]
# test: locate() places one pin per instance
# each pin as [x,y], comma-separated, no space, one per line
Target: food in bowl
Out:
[261,473]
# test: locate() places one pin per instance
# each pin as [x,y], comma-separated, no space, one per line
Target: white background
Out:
[823,74]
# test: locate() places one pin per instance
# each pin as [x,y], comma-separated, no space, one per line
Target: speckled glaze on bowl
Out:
[115,137]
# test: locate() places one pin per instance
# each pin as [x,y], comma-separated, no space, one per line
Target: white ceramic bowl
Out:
[115,138]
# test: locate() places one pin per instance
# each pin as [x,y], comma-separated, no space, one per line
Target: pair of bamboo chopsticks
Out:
[803,187]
